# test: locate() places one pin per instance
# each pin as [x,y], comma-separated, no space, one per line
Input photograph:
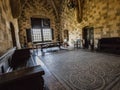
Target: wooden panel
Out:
[5,60]
[24,79]
[36,22]
[29,37]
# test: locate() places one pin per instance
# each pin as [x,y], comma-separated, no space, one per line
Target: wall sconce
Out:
[71,4]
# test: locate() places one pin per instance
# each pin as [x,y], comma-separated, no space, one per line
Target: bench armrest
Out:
[24,73]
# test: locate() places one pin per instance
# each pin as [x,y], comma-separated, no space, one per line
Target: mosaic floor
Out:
[83,70]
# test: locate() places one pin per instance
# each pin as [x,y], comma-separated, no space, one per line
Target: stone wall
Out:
[5,29]
[103,15]
[36,9]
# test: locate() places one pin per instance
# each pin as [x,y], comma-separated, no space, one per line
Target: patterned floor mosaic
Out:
[83,70]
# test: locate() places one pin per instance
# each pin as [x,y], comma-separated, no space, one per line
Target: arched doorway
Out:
[88,37]
[13,34]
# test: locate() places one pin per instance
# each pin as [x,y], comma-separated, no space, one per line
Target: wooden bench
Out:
[29,78]
[19,72]
[5,61]
[111,45]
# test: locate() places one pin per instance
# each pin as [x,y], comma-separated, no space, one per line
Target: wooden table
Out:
[47,45]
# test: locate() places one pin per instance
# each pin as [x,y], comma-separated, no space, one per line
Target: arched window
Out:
[41,30]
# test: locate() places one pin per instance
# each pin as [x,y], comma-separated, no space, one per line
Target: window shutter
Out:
[52,34]
[36,23]
[29,36]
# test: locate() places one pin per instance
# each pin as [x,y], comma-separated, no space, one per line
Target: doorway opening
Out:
[13,34]
[88,37]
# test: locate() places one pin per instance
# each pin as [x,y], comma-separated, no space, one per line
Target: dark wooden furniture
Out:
[5,61]
[18,71]
[29,78]
[20,58]
[111,45]
[14,59]
[47,45]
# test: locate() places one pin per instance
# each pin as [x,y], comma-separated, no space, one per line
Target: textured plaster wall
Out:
[103,15]
[5,29]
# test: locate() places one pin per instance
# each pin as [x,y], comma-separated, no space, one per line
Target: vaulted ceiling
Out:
[17,6]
